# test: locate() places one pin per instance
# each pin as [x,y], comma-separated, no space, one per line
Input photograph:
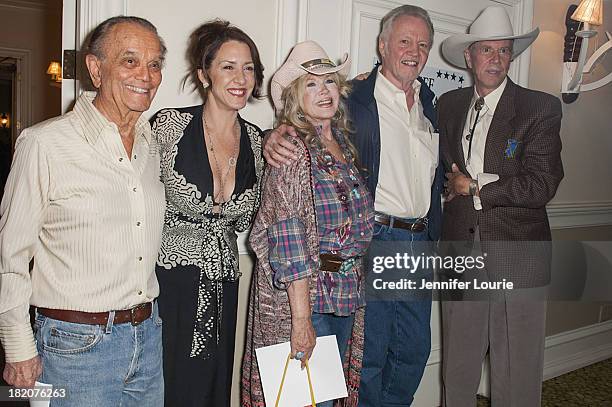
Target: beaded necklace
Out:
[345,192]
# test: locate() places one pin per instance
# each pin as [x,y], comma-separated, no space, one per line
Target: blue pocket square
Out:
[510,150]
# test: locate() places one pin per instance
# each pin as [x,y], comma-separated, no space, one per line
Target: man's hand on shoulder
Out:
[23,374]
[277,149]
[362,76]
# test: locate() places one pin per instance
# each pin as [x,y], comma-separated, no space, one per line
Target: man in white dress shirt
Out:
[85,202]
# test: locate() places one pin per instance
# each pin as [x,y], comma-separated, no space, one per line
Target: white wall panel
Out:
[176,20]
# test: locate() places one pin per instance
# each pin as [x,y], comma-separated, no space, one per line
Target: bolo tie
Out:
[478,107]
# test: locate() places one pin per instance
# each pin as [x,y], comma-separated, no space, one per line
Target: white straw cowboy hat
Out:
[305,57]
[492,24]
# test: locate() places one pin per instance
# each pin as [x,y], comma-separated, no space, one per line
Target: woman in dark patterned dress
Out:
[211,165]
[313,227]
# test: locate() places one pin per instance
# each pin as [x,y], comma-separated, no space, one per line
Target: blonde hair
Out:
[292,113]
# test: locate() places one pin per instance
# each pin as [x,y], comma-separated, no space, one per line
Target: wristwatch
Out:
[473,189]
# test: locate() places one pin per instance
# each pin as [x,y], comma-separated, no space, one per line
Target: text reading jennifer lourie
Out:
[407,271]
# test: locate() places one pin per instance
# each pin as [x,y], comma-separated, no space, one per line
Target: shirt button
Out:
[134,189]
[120,159]
[137,223]
[139,258]
[343,197]
[140,292]
[361,234]
[361,215]
[134,156]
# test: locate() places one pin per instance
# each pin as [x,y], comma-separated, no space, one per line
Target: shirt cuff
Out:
[288,252]
[18,342]
[483,179]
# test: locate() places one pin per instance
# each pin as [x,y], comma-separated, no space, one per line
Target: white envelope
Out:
[325,372]
[40,402]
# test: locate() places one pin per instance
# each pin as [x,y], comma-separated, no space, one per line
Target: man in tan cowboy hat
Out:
[501,149]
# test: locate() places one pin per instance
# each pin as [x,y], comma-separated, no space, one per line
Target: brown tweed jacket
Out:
[514,207]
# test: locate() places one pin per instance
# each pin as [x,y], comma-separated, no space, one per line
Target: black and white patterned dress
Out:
[198,258]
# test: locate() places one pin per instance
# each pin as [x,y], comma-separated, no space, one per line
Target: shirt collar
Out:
[492,99]
[386,86]
[94,122]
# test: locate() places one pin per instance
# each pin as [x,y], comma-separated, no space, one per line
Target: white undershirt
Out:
[475,165]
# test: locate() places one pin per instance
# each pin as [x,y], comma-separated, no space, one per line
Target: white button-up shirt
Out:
[475,165]
[408,152]
[89,215]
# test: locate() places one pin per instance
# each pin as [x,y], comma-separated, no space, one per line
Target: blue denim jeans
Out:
[330,324]
[113,365]
[397,338]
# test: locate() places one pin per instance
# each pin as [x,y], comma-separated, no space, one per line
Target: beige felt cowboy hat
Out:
[492,24]
[305,57]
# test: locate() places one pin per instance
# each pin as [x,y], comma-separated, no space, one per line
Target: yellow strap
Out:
[280,389]
[312,399]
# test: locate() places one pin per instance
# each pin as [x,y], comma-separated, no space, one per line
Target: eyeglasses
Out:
[486,51]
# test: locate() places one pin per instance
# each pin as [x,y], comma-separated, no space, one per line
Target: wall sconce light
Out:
[55,70]
[5,121]
[589,12]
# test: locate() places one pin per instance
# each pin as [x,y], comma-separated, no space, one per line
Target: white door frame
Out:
[78,19]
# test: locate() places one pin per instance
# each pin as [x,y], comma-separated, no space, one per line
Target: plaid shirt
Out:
[345,216]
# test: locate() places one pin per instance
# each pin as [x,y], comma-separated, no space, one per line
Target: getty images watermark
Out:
[467,270]
[402,263]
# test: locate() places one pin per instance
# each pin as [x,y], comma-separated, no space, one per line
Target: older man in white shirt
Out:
[84,200]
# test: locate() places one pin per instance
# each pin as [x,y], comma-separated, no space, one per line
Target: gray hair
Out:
[405,10]
[97,38]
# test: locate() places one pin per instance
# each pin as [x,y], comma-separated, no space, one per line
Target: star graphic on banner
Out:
[461,79]
[439,74]
[446,75]
[453,76]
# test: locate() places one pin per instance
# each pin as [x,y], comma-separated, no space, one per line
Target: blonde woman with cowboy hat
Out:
[313,226]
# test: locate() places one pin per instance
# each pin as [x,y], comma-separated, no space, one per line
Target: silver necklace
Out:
[231,161]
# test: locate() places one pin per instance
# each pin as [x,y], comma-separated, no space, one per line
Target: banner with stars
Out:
[442,80]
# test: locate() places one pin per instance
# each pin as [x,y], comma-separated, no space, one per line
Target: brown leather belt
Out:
[134,315]
[330,262]
[419,226]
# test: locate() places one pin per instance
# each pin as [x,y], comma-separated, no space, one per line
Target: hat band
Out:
[320,61]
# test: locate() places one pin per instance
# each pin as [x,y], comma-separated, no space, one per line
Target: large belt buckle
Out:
[420,222]
[337,264]
[133,314]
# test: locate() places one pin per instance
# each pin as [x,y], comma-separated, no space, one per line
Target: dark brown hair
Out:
[205,42]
